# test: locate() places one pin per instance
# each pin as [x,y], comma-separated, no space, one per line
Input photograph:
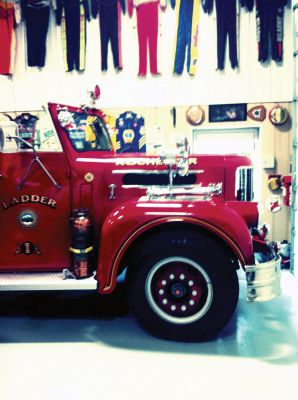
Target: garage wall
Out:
[29,88]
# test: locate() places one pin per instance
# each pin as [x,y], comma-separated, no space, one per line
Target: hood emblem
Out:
[27,219]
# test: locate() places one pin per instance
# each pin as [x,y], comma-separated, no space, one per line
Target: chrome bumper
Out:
[263,280]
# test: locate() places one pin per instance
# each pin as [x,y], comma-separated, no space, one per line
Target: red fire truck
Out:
[178,226]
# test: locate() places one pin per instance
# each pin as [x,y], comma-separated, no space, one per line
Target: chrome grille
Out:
[244,184]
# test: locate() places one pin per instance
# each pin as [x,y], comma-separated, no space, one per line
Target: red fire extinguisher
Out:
[81,247]
[287,186]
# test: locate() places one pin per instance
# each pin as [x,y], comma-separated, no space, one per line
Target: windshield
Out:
[85,132]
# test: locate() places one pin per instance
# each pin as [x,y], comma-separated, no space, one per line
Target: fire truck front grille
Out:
[244,184]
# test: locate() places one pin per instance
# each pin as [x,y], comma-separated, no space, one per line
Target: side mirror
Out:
[8,131]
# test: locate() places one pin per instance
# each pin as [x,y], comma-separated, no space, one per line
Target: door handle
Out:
[112,188]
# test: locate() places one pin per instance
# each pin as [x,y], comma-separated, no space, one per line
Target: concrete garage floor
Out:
[62,346]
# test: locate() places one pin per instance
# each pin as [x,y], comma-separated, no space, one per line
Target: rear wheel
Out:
[182,285]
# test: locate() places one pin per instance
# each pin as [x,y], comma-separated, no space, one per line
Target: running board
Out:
[63,280]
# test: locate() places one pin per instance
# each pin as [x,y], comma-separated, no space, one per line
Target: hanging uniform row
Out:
[73,15]
[269,19]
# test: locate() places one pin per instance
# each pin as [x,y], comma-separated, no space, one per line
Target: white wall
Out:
[29,88]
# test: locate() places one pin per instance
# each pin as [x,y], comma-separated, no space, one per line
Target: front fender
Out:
[130,220]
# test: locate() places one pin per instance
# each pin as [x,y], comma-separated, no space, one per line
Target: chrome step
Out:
[63,280]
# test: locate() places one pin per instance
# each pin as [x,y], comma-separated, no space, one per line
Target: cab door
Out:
[34,198]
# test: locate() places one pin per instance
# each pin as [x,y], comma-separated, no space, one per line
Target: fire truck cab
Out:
[178,225]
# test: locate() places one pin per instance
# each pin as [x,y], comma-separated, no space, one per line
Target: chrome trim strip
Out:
[43,281]
[140,171]
[263,280]
[156,191]
[147,186]
[152,171]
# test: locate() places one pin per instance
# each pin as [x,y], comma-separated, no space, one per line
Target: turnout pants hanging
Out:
[226,19]
[73,26]
[37,23]
[269,18]
[147,25]
[187,21]
[110,30]
[7,48]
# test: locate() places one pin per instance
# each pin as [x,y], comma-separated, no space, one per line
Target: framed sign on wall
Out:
[227,112]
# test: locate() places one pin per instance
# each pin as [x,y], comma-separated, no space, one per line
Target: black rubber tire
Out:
[192,251]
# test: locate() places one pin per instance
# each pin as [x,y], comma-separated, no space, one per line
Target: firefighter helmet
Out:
[278,115]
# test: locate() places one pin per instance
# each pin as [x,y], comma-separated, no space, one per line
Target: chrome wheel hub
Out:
[179,290]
